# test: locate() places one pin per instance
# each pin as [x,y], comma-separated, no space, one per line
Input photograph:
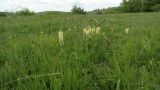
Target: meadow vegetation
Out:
[122,54]
[25,11]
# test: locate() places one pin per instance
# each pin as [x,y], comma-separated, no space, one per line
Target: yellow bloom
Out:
[42,32]
[98,29]
[127,30]
[61,42]
[93,30]
[89,30]
[84,30]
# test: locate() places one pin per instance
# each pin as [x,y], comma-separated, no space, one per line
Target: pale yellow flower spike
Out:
[93,30]
[61,42]
[85,31]
[98,29]
[89,30]
[127,30]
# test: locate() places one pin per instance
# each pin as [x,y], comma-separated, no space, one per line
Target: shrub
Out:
[77,10]
[156,8]
[25,11]
[2,14]
[98,11]
[112,10]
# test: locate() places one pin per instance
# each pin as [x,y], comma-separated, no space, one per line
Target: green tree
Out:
[139,5]
[25,11]
[77,10]
[156,8]
[98,11]
[132,5]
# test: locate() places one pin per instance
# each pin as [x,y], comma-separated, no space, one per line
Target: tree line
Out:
[127,6]
[140,5]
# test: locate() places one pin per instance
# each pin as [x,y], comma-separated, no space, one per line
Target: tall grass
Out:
[30,53]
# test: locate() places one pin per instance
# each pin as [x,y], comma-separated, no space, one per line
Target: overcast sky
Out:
[55,5]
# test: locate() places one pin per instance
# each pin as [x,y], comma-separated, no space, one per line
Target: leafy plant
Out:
[98,11]
[2,14]
[156,8]
[25,11]
[77,10]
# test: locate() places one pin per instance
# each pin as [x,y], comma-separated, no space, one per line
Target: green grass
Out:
[114,61]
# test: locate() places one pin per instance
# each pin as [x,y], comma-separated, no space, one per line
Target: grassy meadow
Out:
[31,57]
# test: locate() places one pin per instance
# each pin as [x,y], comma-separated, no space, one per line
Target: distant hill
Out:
[53,12]
[4,14]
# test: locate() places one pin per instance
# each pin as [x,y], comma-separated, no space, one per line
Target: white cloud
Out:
[55,5]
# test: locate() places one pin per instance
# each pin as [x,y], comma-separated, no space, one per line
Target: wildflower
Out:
[127,30]
[84,30]
[60,33]
[98,30]
[93,30]
[89,30]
